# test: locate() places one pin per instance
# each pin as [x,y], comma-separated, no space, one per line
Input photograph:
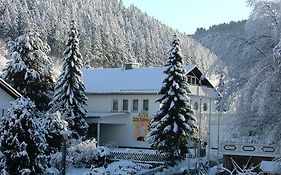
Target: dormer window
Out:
[192,80]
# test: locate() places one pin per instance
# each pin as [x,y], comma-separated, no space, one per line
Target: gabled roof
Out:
[144,80]
[9,89]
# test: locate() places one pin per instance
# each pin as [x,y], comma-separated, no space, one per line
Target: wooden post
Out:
[98,133]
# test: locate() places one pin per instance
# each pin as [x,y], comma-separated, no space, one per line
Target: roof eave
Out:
[9,89]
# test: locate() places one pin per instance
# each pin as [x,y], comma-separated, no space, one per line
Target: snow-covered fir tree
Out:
[22,138]
[69,94]
[29,69]
[174,123]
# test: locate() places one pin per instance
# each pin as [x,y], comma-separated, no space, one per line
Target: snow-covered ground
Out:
[77,171]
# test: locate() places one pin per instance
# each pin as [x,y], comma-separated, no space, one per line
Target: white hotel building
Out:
[122,101]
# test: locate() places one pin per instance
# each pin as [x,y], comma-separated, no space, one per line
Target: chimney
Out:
[131,64]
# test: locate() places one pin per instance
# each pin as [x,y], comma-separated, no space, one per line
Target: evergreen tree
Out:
[29,69]
[174,123]
[22,139]
[69,94]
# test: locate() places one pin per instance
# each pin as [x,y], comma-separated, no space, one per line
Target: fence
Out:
[138,156]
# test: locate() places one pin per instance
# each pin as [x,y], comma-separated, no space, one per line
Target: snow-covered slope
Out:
[110,33]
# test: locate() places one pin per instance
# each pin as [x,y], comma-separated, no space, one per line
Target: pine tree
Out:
[22,138]
[69,94]
[174,123]
[29,69]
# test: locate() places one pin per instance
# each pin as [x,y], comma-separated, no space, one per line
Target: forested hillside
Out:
[244,55]
[110,34]
[248,66]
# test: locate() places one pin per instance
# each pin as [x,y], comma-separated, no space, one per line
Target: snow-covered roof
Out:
[104,114]
[120,80]
[9,89]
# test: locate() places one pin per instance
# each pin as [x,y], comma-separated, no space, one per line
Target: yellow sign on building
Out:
[141,126]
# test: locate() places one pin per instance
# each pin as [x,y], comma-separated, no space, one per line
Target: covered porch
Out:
[100,122]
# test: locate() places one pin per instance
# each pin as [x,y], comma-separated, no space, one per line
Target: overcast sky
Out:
[188,15]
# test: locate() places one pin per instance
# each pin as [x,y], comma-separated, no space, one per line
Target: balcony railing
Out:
[248,149]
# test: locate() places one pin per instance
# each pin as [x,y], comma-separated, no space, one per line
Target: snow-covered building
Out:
[122,101]
[7,95]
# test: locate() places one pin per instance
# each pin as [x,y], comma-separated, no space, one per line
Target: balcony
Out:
[250,149]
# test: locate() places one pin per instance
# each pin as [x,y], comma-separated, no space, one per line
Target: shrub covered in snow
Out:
[22,138]
[54,124]
[186,166]
[122,167]
[2,163]
[51,171]
[83,154]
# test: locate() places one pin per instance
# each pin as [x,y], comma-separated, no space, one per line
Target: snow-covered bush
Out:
[52,171]
[122,167]
[22,138]
[54,124]
[191,165]
[2,162]
[83,154]
[87,153]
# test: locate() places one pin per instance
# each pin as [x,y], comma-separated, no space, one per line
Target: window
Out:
[115,105]
[205,107]
[125,105]
[135,105]
[192,80]
[195,106]
[145,105]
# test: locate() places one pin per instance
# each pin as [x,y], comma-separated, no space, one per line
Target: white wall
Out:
[5,100]
[123,135]
[103,103]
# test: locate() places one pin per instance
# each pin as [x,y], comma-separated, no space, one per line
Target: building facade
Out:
[7,95]
[122,101]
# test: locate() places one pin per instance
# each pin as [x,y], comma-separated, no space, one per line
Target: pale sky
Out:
[188,15]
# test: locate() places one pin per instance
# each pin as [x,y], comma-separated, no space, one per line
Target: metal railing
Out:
[246,149]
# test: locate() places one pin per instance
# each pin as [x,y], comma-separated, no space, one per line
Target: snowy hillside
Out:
[249,68]
[110,34]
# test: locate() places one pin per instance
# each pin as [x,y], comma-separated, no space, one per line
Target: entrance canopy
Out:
[107,117]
